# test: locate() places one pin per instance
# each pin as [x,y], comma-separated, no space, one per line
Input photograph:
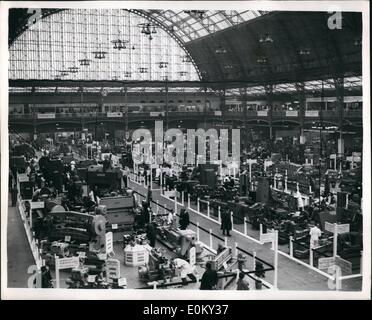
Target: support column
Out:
[205,108]
[300,87]
[339,86]
[269,99]
[243,93]
[126,114]
[223,105]
[166,105]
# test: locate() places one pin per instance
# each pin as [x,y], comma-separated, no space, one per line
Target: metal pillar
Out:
[269,96]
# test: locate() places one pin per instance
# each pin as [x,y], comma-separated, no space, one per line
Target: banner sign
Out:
[325,263]
[67,263]
[262,113]
[22,177]
[311,113]
[267,237]
[341,228]
[113,268]
[46,115]
[114,114]
[291,113]
[109,243]
[37,205]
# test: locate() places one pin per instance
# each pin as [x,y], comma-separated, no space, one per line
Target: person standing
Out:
[226,223]
[242,284]
[315,234]
[14,194]
[151,234]
[209,279]
[184,220]
[186,269]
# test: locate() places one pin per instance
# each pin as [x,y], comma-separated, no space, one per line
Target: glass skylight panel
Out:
[72,35]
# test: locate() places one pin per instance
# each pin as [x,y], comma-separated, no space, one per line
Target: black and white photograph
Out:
[202,149]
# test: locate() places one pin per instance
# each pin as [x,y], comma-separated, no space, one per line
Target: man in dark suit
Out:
[209,279]
[226,222]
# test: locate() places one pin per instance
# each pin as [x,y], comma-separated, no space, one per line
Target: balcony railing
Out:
[182,114]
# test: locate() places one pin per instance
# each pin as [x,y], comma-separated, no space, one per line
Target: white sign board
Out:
[267,237]
[155,114]
[170,194]
[22,177]
[109,243]
[114,114]
[46,115]
[91,278]
[37,205]
[218,113]
[262,113]
[329,227]
[114,226]
[192,256]
[312,113]
[291,113]
[113,268]
[67,238]
[345,266]
[67,263]
[325,263]
[122,282]
[341,228]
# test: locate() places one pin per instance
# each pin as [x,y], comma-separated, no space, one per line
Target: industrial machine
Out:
[179,241]
[96,175]
[119,212]
[158,268]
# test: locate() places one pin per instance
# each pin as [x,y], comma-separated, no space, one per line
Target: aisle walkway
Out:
[18,250]
[291,275]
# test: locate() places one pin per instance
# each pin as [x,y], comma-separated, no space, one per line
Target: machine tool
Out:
[158,267]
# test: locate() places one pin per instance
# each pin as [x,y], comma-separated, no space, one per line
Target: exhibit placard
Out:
[114,114]
[67,263]
[325,263]
[114,226]
[109,242]
[346,266]
[291,113]
[22,177]
[343,228]
[267,237]
[46,115]
[329,227]
[113,268]
[192,256]
[170,194]
[122,282]
[311,113]
[37,205]
[262,113]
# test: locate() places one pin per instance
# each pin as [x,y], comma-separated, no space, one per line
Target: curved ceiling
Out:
[98,44]
[265,48]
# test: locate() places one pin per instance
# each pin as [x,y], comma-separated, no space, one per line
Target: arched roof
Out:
[99,44]
[231,49]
